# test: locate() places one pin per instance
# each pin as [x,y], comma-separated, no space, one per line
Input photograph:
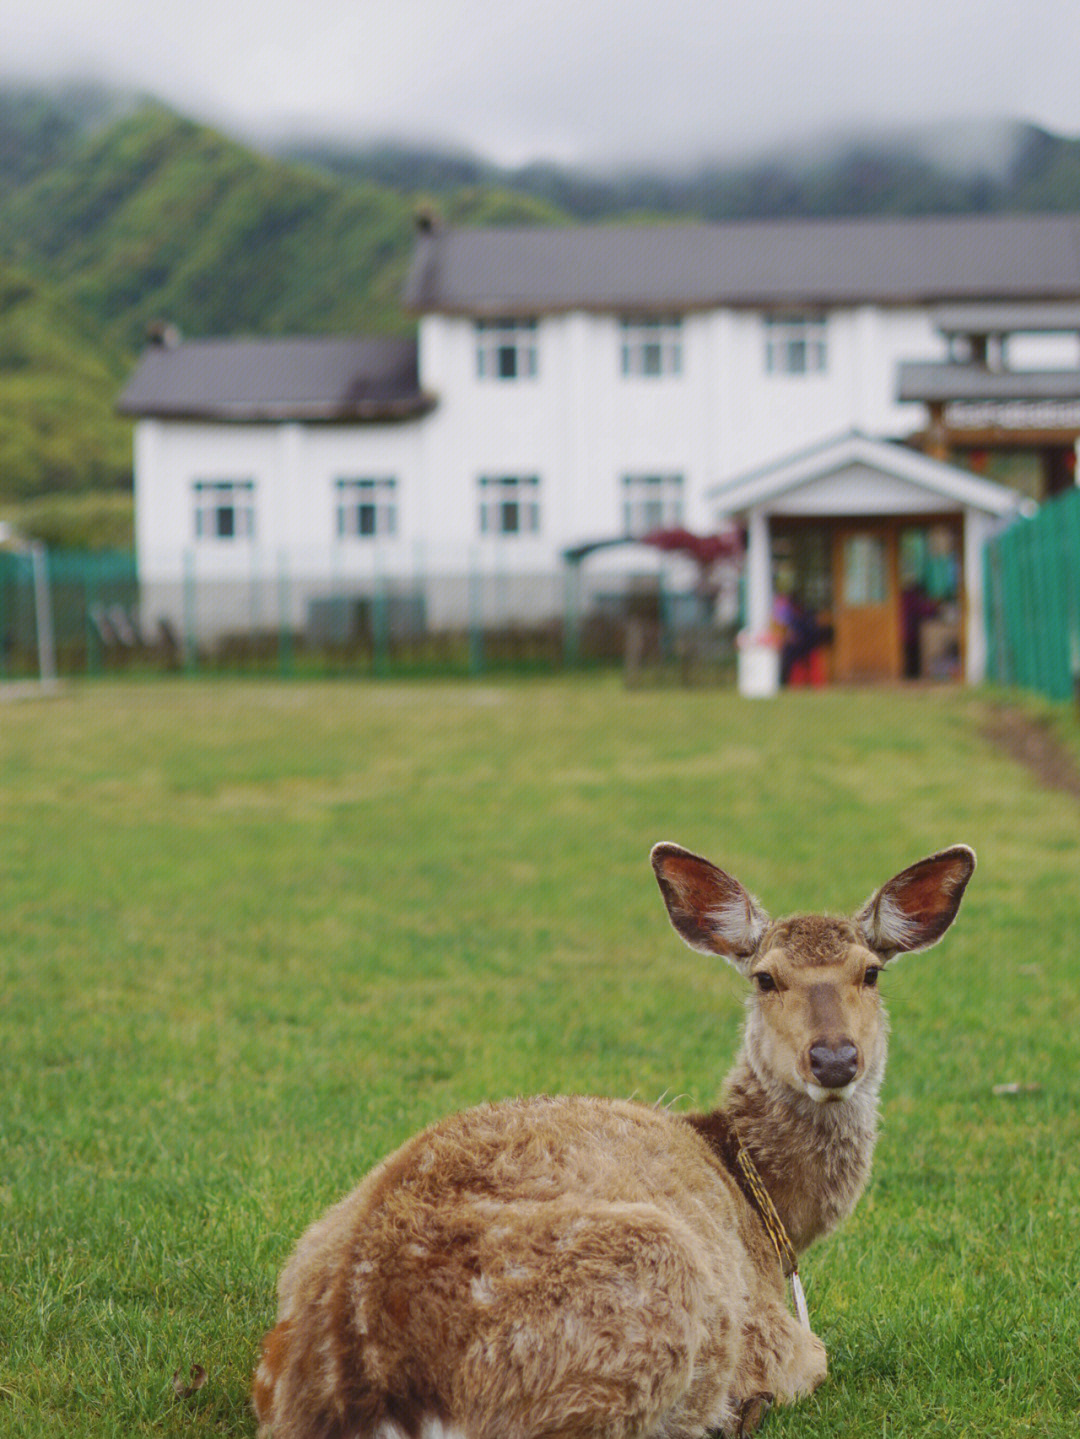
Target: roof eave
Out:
[925,383]
[774,302]
[359,412]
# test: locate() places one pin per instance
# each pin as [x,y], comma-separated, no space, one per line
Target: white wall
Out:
[1026,351]
[293,468]
[766,417]
[581,425]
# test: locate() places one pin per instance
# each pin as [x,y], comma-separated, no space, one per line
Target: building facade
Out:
[572,385]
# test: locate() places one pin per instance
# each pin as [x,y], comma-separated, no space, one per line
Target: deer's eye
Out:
[764,981]
[870,978]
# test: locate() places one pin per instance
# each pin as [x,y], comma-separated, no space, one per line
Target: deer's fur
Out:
[567,1267]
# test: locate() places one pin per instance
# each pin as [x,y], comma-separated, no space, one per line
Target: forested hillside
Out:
[116,212]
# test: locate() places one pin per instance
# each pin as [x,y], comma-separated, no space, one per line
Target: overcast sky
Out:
[581,81]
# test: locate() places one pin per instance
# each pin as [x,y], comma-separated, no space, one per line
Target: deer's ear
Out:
[712,911]
[917,906]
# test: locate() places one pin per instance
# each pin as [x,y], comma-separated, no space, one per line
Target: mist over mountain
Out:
[116,211]
[951,168]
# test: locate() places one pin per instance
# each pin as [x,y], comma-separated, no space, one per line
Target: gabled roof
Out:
[290,378]
[653,268]
[956,488]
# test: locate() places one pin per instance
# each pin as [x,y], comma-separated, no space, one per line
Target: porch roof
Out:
[767,488]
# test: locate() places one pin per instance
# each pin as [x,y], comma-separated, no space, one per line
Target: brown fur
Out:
[568,1267]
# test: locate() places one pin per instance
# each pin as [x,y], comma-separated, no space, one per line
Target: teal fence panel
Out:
[1033,601]
[94,604]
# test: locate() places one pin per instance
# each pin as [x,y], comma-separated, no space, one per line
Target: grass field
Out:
[256,934]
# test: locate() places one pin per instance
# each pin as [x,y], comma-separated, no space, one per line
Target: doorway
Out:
[867,619]
[899,600]
[887,593]
[931,600]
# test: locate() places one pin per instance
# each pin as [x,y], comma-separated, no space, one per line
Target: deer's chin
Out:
[820,1095]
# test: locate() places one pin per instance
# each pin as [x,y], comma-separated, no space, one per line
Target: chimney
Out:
[426,220]
[162,335]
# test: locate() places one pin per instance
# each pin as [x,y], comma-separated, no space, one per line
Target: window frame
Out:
[213,499]
[660,505]
[502,495]
[797,344]
[651,346]
[360,495]
[507,349]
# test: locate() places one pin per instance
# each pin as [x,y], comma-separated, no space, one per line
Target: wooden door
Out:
[866,610]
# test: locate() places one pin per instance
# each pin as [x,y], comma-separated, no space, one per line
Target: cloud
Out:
[580,80]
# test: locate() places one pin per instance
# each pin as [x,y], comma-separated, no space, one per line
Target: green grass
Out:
[255,934]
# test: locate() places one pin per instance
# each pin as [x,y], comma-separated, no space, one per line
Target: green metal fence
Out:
[1033,601]
[277,621]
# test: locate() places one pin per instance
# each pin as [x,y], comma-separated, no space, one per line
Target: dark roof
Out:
[941,383]
[652,268]
[292,378]
[1004,318]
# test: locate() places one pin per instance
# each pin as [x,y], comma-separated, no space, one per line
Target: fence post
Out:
[43,613]
[285,644]
[95,655]
[994,611]
[380,621]
[572,615]
[6,640]
[191,659]
[476,617]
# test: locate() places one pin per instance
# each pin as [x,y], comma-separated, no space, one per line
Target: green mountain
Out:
[148,217]
[40,127]
[58,383]
[155,216]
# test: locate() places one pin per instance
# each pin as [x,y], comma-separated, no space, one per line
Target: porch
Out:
[876,552]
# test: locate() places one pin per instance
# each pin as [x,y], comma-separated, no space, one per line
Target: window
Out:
[509,504]
[795,345]
[506,349]
[366,508]
[652,347]
[651,502]
[866,572]
[224,509]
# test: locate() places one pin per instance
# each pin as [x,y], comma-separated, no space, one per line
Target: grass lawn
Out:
[256,934]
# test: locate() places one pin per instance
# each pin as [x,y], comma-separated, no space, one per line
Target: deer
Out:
[576,1267]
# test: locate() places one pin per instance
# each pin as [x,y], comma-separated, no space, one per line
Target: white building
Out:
[568,385]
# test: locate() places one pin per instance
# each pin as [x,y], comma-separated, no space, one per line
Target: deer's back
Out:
[515,1267]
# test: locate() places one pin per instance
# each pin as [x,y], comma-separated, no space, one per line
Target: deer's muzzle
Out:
[834,1068]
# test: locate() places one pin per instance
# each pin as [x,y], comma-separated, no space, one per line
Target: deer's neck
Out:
[814,1159]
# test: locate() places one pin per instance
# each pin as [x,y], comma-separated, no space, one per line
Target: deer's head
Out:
[816,1022]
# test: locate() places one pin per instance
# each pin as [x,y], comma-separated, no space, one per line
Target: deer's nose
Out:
[833,1068]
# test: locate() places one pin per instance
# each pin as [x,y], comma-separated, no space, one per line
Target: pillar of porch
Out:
[976,534]
[759,593]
